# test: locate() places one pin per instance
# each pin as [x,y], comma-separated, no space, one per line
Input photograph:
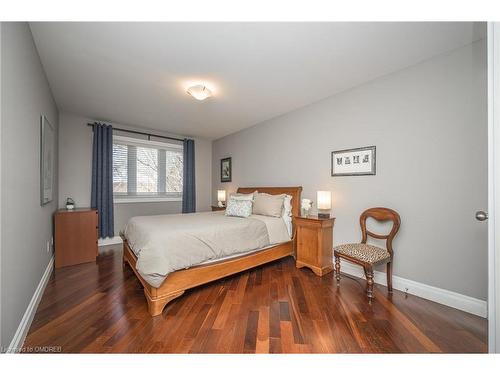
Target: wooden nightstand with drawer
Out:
[315,244]
[76,235]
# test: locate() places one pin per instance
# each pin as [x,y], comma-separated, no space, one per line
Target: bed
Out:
[161,290]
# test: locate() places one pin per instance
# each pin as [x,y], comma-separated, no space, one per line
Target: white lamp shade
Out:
[324,199]
[221,195]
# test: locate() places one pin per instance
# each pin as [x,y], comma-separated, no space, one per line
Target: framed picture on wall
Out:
[225,170]
[354,162]
[47,143]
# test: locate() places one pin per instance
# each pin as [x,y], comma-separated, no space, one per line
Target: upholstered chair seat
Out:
[363,252]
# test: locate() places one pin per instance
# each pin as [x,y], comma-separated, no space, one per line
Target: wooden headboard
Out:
[294,191]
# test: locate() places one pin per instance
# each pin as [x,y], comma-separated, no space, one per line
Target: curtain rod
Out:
[142,133]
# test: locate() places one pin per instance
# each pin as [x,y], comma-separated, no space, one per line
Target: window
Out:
[146,170]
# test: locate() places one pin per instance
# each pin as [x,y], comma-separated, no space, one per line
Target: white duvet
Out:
[167,243]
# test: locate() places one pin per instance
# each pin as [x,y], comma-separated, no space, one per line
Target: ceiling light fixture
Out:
[199,92]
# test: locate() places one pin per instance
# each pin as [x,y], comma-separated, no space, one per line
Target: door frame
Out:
[493,36]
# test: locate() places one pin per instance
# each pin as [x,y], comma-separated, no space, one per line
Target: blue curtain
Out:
[188,186]
[102,178]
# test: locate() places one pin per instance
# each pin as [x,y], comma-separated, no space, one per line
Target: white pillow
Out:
[287,206]
[243,197]
[239,208]
[287,214]
[268,205]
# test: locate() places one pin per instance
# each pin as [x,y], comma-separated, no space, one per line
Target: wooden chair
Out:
[369,256]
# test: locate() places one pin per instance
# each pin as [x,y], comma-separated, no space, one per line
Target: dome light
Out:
[199,92]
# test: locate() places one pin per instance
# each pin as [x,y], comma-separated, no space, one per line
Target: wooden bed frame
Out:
[179,281]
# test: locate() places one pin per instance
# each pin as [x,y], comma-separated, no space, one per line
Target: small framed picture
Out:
[354,162]
[225,170]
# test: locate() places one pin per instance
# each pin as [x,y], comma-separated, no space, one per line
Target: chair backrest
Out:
[380,214]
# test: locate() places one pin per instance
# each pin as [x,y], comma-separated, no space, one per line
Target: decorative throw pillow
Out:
[268,205]
[239,208]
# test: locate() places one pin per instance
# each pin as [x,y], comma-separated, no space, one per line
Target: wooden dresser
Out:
[76,234]
[315,244]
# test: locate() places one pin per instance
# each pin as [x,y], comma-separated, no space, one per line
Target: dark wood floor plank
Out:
[251,332]
[262,340]
[276,308]
[284,312]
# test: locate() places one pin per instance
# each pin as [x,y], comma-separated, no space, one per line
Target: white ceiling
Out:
[136,73]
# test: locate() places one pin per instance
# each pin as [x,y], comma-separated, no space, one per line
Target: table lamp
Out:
[221,197]
[324,199]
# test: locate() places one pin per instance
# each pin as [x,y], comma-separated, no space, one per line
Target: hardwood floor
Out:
[94,308]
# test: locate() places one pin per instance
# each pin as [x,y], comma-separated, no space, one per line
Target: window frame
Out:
[145,197]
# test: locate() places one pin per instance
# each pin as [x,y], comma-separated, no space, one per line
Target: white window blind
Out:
[146,169]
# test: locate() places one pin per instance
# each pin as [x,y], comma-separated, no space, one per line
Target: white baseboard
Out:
[445,297]
[110,241]
[24,326]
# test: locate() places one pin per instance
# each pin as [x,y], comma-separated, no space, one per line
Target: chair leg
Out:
[369,283]
[337,269]
[389,277]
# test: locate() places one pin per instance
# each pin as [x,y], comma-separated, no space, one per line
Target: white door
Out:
[493,187]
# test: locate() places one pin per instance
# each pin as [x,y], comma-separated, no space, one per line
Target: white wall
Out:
[429,123]
[75,171]
[25,225]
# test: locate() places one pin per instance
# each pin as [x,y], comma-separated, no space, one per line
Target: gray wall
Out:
[429,123]
[75,145]
[25,225]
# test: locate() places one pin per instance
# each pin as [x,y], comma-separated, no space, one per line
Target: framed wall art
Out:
[225,170]
[354,162]
[47,144]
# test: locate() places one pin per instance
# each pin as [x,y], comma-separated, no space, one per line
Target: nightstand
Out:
[314,244]
[217,208]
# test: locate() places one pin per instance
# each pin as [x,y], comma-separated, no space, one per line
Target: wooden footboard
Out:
[179,281]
